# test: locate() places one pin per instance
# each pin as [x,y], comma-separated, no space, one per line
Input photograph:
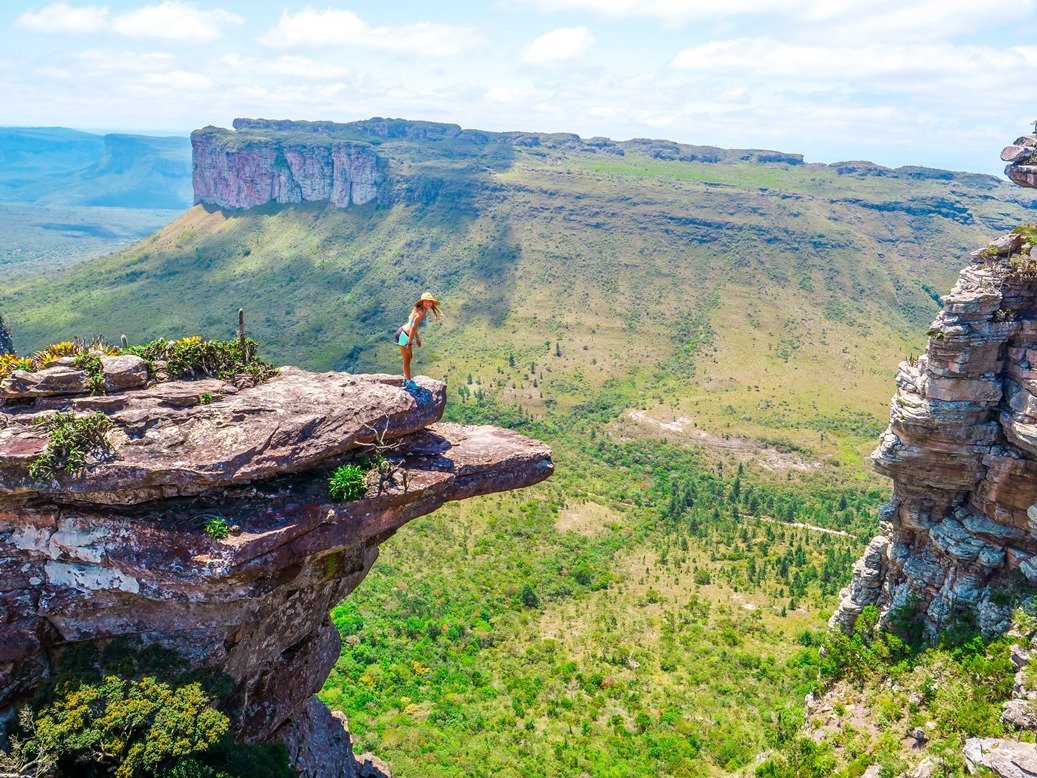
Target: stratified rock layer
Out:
[234,173]
[1021,157]
[961,449]
[959,538]
[119,549]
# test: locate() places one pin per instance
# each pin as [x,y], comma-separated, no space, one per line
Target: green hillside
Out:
[755,308]
[709,348]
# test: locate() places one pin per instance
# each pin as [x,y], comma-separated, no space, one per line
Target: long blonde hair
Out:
[435,308]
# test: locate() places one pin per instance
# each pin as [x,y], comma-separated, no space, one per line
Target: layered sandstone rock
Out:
[1021,157]
[243,172]
[960,535]
[119,548]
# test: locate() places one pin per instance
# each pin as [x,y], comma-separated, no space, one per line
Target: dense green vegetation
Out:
[636,615]
[128,711]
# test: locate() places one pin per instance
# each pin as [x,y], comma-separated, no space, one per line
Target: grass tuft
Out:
[347,483]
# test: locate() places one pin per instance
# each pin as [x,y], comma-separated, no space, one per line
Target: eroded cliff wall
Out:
[234,171]
[959,538]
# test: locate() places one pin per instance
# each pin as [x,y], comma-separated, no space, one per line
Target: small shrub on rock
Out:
[216,527]
[348,482]
[194,357]
[72,438]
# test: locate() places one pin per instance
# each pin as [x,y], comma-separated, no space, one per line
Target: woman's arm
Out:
[414,330]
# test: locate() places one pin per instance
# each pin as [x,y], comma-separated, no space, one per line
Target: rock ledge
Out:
[118,548]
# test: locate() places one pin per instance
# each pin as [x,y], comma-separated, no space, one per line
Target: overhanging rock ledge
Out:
[118,550]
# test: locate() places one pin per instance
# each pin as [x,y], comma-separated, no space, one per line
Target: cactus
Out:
[6,343]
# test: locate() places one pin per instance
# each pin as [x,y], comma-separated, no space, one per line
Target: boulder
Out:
[169,442]
[51,381]
[1019,713]
[1004,758]
[124,372]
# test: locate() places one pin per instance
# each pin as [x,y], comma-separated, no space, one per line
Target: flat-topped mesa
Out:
[284,161]
[119,548]
[960,535]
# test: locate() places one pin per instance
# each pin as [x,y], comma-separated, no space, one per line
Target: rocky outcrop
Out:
[243,171]
[1021,157]
[960,535]
[119,548]
[1003,758]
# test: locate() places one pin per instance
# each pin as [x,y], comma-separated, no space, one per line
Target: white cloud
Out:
[901,66]
[64,18]
[293,67]
[170,20]
[175,21]
[344,28]
[876,19]
[561,45]
[177,80]
[670,10]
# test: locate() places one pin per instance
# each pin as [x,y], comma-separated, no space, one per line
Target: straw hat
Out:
[427,297]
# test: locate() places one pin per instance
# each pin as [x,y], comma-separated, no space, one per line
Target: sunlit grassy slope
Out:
[708,348]
[764,303]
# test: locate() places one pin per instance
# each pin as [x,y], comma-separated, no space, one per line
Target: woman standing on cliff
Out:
[407,336]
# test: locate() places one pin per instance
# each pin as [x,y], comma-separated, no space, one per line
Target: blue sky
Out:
[936,82]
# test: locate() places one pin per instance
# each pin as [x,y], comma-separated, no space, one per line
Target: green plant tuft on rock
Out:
[72,438]
[348,482]
[90,363]
[216,527]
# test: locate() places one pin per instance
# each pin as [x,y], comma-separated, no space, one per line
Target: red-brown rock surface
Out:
[236,173]
[119,549]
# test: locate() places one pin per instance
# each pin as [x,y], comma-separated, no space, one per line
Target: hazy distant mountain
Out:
[58,166]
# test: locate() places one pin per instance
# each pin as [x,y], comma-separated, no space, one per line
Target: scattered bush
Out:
[348,482]
[72,438]
[193,357]
[529,597]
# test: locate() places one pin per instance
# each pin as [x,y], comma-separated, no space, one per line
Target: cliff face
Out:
[119,549]
[960,535]
[234,173]
[285,161]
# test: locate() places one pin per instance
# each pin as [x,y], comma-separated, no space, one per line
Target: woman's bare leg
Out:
[407,354]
